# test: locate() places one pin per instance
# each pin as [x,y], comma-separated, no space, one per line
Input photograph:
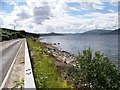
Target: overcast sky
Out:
[63,16]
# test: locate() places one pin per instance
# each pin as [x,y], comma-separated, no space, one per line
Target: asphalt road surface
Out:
[8,51]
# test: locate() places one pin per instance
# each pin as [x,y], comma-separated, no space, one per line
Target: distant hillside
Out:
[8,34]
[96,32]
[115,32]
[50,34]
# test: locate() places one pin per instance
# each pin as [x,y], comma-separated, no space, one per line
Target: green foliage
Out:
[96,72]
[45,72]
[14,35]
[18,84]
[5,37]
[23,33]
[10,36]
[19,35]
[0,36]
[7,34]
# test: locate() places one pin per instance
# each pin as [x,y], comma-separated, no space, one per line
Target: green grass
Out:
[45,72]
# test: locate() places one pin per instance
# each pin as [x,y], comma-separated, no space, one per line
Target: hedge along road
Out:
[8,51]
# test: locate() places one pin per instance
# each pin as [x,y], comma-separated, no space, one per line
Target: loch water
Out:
[75,44]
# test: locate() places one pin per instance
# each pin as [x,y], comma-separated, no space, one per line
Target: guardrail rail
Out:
[29,82]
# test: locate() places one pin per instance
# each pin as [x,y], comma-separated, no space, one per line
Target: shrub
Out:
[96,72]
[14,35]
[23,33]
[5,37]
[18,34]
[10,36]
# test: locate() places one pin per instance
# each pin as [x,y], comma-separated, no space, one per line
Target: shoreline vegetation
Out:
[54,68]
[47,70]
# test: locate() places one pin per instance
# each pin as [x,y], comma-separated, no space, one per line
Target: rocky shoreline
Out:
[61,56]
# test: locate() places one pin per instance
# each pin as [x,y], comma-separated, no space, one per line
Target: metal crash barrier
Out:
[29,82]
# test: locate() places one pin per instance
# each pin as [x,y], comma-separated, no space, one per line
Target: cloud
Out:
[73,9]
[23,15]
[52,16]
[1,20]
[86,5]
[41,13]
[98,6]
[80,24]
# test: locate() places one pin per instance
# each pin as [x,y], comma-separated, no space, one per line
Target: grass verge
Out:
[45,72]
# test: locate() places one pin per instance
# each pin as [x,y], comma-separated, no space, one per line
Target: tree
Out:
[5,37]
[96,72]
[19,35]
[23,33]
[14,35]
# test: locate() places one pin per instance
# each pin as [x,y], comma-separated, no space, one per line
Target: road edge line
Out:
[8,73]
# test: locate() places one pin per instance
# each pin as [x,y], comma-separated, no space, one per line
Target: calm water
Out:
[107,44]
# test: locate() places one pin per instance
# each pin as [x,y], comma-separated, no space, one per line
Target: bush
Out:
[10,36]
[18,34]
[96,72]
[5,37]
[0,37]
[14,35]
[23,33]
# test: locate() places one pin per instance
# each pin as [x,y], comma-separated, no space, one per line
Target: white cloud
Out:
[74,9]
[112,11]
[1,21]
[40,16]
[98,6]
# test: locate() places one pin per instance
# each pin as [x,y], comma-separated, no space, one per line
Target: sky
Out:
[61,16]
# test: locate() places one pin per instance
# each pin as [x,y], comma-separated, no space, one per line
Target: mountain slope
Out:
[96,32]
[50,34]
[115,32]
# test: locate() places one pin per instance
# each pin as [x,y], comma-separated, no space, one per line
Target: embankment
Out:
[61,56]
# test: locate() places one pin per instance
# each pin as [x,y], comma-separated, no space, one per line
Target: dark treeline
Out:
[8,34]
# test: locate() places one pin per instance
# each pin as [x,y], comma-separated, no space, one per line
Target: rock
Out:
[54,43]
[61,56]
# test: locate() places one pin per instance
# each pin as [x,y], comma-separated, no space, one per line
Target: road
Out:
[8,51]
